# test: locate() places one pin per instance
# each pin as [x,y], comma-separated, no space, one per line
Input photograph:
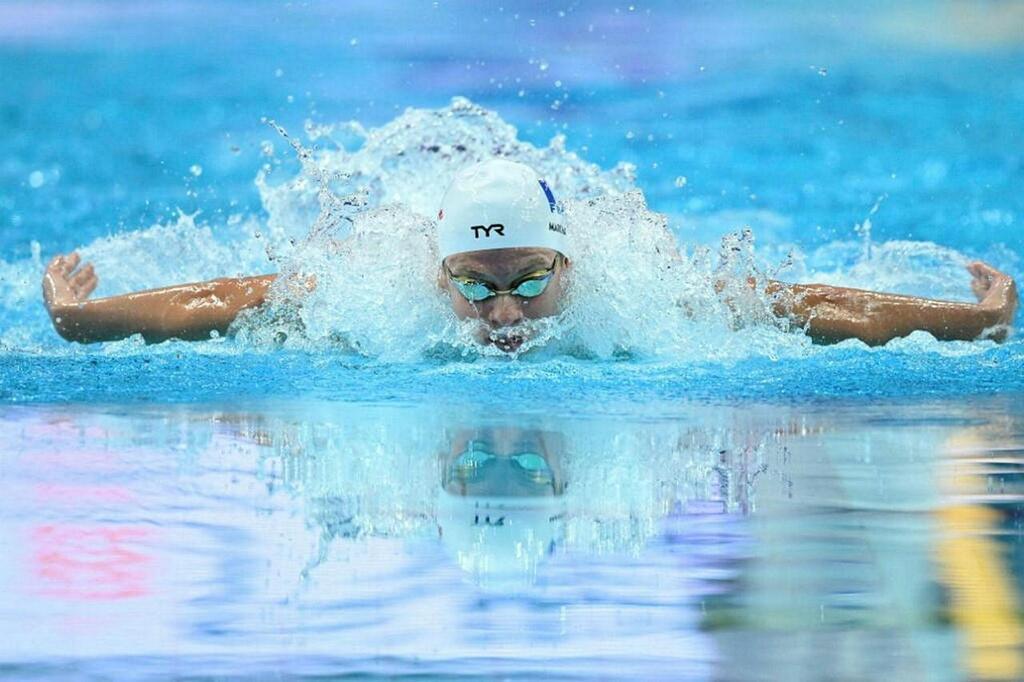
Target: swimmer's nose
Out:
[504,311]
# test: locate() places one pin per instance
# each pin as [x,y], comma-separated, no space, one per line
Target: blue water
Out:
[247,507]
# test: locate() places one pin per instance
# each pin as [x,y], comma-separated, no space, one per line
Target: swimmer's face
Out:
[502,315]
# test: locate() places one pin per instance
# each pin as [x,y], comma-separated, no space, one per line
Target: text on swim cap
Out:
[497,228]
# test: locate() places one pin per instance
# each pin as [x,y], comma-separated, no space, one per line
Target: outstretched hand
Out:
[996,293]
[64,283]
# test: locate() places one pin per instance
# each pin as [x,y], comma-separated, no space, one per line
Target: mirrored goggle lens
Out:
[532,287]
[473,291]
[473,459]
[533,464]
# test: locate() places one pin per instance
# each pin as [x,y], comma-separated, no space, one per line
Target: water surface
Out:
[687,542]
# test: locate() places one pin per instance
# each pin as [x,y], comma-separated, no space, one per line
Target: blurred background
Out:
[794,117]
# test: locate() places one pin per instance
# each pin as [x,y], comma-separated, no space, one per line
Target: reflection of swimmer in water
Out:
[500,508]
[504,253]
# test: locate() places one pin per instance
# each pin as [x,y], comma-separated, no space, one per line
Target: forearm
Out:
[187,311]
[831,314]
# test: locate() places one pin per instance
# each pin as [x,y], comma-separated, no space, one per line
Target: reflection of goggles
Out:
[473,464]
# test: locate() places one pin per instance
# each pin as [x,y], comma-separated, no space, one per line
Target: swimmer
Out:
[504,255]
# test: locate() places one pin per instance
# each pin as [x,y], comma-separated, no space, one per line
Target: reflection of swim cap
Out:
[499,540]
[499,204]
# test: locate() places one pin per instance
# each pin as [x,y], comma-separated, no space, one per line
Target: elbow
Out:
[67,325]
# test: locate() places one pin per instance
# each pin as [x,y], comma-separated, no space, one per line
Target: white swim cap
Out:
[499,204]
[499,541]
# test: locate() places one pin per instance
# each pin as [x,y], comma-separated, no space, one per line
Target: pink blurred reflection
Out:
[85,562]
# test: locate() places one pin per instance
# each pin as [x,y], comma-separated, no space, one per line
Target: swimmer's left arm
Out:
[831,314]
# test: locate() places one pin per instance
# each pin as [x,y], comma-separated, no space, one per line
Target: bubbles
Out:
[36,179]
[196,170]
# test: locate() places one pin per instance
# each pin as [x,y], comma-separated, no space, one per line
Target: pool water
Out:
[348,487]
[663,541]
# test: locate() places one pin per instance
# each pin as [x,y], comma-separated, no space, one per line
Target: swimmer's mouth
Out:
[507,344]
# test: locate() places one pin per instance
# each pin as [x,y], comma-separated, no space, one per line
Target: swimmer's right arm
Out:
[186,311]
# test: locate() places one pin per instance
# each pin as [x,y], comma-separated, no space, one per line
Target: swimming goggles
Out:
[474,463]
[527,286]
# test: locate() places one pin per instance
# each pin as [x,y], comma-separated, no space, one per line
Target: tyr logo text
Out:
[496,228]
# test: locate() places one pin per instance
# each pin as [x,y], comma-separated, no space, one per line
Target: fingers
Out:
[70,262]
[56,264]
[84,281]
[64,282]
[87,287]
[996,292]
[63,265]
[982,269]
[84,273]
[985,279]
